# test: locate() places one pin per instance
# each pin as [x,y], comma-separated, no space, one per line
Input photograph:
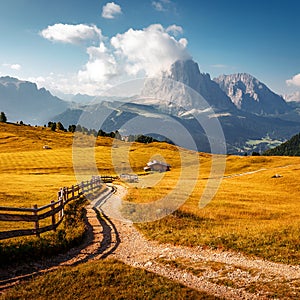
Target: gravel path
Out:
[222,273]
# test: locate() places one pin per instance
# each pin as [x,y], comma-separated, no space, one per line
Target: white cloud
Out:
[110,10]
[67,84]
[294,81]
[143,52]
[101,66]
[292,97]
[71,34]
[158,6]
[15,67]
[161,5]
[175,29]
[150,50]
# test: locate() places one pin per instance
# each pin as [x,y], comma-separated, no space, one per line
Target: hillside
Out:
[250,213]
[288,148]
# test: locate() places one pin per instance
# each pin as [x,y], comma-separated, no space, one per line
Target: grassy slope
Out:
[255,214]
[30,175]
[250,213]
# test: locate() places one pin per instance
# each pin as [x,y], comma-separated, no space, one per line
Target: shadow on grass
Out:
[14,273]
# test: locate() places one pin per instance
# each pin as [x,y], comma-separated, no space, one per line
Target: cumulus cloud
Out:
[150,50]
[294,80]
[143,52]
[101,66]
[71,34]
[111,10]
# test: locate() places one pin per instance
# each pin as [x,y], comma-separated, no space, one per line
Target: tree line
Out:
[288,148]
[58,126]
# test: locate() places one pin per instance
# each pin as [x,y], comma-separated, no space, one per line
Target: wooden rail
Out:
[108,178]
[35,214]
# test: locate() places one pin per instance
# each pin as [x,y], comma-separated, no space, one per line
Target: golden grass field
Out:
[253,213]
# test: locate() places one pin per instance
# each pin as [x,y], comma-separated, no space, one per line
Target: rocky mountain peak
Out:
[183,87]
[249,94]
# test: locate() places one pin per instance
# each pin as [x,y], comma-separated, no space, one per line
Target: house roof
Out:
[156,162]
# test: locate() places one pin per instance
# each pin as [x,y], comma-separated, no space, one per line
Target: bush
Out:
[3,117]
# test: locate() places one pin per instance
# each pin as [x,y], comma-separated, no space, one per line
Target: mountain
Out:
[183,88]
[22,100]
[78,98]
[183,95]
[250,95]
[288,148]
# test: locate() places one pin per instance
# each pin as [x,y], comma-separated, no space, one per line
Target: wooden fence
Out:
[35,214]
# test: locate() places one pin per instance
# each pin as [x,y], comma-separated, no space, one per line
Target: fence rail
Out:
[35,214]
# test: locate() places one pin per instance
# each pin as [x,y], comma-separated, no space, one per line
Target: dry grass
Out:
[108,279]
[250,213]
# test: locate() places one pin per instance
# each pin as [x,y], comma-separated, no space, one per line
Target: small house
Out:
[129,177]
[157,166]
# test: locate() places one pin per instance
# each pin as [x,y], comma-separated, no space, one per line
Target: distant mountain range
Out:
[253,117]
[23,101]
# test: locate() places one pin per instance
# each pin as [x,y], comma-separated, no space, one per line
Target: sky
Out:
[87,46]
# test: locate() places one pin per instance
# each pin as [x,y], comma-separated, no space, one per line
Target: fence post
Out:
[61,204]
[60,193]
[36,222]
[53,215]
[73,192]
[66,194]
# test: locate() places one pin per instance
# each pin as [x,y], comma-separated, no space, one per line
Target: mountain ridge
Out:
[249,94]
[183,88]
[23,100]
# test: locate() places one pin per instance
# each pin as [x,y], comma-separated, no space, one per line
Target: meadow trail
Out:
[225,274]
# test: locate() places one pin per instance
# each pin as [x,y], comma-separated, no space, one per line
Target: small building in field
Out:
[157,166]
[129,177]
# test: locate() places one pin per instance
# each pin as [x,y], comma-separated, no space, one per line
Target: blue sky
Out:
[88,45]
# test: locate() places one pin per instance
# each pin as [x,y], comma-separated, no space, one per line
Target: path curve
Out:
[137,251]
